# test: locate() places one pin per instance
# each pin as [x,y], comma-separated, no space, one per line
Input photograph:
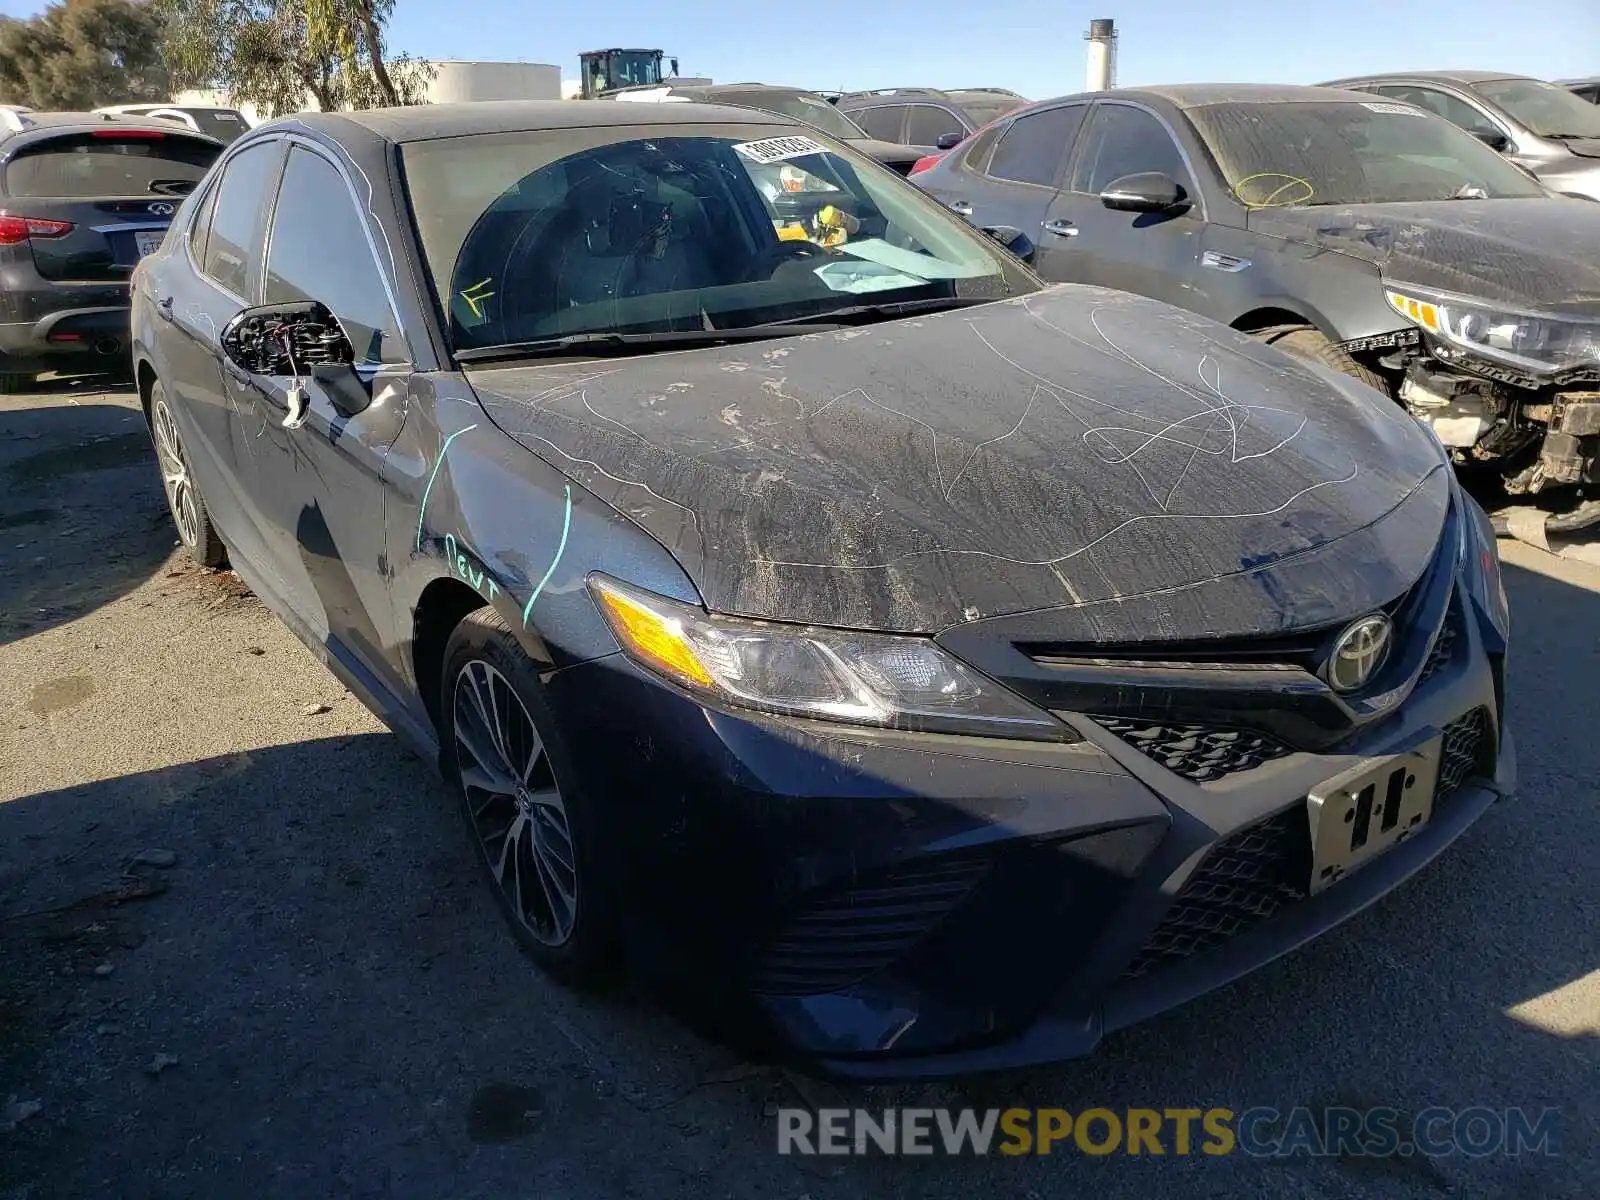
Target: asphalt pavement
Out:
[244,951]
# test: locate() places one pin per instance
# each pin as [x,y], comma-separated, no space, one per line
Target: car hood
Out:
[1532,252]
[1582,147]
[888,153]
[1075,449]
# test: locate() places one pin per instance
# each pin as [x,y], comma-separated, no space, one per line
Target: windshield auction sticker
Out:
[779,148]
[1399,110]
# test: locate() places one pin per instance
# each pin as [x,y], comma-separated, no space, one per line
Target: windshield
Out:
[1545,109]
[221,123]
[810,109]
[1349,152]
[532,236]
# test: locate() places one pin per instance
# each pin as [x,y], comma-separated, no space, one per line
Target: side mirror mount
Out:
[1493,139]
[949,141]
[297,339]
[1145,192]
[347,392]
[1013,239]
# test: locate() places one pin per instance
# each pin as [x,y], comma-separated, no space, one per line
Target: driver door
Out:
[322,483]
[1154,254]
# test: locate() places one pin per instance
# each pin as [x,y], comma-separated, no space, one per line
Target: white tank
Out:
[455,81]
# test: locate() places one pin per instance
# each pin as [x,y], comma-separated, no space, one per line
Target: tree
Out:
[80,54]
[274,54]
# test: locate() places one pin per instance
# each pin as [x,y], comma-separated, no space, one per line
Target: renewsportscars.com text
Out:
[1261,1132]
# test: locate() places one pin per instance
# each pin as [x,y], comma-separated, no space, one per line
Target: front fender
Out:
[470,504]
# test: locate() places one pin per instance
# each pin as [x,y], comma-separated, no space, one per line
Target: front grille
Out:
[845,936]
[1443,647]
[1203,753]
[1249,876]
[1244,880]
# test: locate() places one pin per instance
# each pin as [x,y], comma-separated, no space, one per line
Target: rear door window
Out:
[1035,146]
[110,163]
[882,122]
[233,247]
[319,251]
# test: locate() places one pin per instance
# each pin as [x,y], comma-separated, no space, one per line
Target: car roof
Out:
[1462,77]
[424,122]
[1197,95]
[1578,82]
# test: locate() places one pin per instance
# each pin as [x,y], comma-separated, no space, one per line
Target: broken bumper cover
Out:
[884,905]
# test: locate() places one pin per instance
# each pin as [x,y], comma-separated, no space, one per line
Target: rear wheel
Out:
[183,498]
[12,382]
[1312,344]
[538,838]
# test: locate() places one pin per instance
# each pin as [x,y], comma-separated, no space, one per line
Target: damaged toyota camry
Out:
[915,667]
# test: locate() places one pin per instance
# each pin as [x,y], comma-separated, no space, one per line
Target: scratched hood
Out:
[1538,252]
[1072,449]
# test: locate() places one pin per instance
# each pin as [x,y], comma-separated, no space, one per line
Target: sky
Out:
[1018,44]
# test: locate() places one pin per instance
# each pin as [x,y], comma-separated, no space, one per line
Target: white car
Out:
[224,124]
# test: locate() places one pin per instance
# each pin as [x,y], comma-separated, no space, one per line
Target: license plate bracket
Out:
[148,241]
[1358,814]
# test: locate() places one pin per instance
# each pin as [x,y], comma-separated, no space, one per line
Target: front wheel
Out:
[1315,346]
[183,498]
[538,840]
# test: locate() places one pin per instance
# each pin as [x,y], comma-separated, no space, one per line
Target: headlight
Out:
[830,674]
[1535,342]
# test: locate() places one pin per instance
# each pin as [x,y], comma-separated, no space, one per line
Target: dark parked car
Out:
[794,103]
[927,118]
[82,198]
[1365,234]
[821,609]
[1540,125]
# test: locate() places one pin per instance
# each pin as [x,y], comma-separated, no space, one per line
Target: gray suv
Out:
[926,117]
[1542,126]
[83,197]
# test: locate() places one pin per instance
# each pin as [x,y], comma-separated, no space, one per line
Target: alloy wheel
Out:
[515,804]
[175,473]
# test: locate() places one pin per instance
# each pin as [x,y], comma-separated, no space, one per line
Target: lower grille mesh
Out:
[1203,753]
[1251,875]
[842,937]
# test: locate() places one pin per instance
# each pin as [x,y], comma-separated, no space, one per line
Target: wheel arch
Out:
[442,605]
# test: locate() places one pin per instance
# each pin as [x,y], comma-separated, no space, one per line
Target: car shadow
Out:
[83,519]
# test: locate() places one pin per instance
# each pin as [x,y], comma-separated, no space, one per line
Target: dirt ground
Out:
[244,952]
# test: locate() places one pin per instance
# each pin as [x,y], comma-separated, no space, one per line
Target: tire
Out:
[184,502]
[1312,344]
[12,382]
[540,844]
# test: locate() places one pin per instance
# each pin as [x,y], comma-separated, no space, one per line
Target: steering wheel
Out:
[775,255]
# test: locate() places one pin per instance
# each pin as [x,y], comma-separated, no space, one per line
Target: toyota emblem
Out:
[162,209]
[1359,651]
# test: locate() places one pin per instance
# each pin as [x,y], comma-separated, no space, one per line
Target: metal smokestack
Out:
[1102,39]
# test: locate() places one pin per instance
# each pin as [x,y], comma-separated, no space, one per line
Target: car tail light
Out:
[923,163]
[14,230]
[127,133]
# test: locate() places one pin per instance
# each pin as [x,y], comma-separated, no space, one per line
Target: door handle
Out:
[164,308]
[961,208]
[1061,228]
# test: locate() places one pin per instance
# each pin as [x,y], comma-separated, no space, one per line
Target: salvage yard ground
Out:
[244,952]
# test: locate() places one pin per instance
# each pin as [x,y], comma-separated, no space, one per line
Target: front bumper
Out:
[887,905]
